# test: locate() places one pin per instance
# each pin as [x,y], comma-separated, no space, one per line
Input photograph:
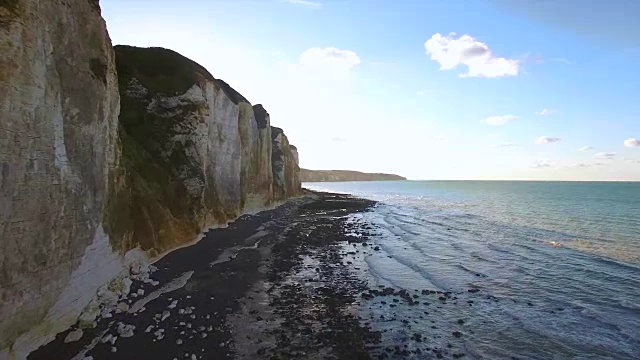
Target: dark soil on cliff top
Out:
[274,285]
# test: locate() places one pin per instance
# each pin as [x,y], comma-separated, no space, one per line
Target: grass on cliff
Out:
[159,70]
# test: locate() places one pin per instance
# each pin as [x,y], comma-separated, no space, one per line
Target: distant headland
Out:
[307,175]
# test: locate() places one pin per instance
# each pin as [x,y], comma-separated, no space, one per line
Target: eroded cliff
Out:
[102,171]
[195,152]
[58,105]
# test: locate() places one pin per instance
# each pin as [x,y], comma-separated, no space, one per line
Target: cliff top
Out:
[165,71]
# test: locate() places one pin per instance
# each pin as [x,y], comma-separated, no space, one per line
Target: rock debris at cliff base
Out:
[283,294]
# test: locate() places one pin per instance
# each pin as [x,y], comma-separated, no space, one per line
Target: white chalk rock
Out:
[125,331]
[74,336]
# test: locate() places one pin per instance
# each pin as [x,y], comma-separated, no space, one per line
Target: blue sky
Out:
[487,89]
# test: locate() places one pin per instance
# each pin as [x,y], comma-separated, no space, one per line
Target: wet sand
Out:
[271,285]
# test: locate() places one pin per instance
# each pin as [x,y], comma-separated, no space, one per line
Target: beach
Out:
[271,285]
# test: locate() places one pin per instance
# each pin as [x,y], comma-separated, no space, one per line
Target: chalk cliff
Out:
[107,160]
[344,175]
[58,134]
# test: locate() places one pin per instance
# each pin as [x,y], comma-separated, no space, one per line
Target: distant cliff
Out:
[107,160]
[344,175]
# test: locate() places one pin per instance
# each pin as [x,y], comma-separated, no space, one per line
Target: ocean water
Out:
[557,265]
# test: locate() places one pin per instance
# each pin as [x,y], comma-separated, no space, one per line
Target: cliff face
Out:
[286,178]
[344,175]
[58,130]
[87,191]
[195,152]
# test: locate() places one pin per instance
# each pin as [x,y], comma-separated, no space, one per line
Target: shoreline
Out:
[217,301]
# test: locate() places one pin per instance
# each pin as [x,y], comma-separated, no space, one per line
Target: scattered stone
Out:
[165,315]
[457,334]
[179,341]
[74,336]
[125,331]
[140,292]
[122,307]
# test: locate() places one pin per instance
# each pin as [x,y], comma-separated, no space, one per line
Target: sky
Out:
[442,89]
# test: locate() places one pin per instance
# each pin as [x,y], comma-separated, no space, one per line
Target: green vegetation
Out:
[162,71]
[150,204]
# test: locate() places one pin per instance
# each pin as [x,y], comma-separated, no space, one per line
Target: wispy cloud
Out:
[632,160]
[632,143]
[585,148]
[499,120]
[506,145]
[542,164]
[309,3]
[545,112]
[338,139]
[329,56]
[605,155]
[450,52]
[547,140]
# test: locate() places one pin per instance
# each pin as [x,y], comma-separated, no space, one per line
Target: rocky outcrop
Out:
[286,178]
[58,133]
[89,192]
[344,175]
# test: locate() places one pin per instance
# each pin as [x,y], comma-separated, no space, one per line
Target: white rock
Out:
[125,331]
[113,349]
[87,318]
[126,286]
[193,357]
[179,341]
[123,307]
[149,328]
[107,338]
[173,304]
[140,292]
[165,315]
[74,336]
[203,335]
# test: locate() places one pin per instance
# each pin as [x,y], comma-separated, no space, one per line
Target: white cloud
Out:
[542,164]
[633,142]
[547,140]
[545,112]
[499,120]
[585,148]
[329,57]
[606,155]
[631,160]
[313,4]
[507,145]
[450,52]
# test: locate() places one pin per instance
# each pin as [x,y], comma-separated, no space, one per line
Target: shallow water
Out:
[558,266]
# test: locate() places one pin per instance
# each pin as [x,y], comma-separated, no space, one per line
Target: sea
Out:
[537,270]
